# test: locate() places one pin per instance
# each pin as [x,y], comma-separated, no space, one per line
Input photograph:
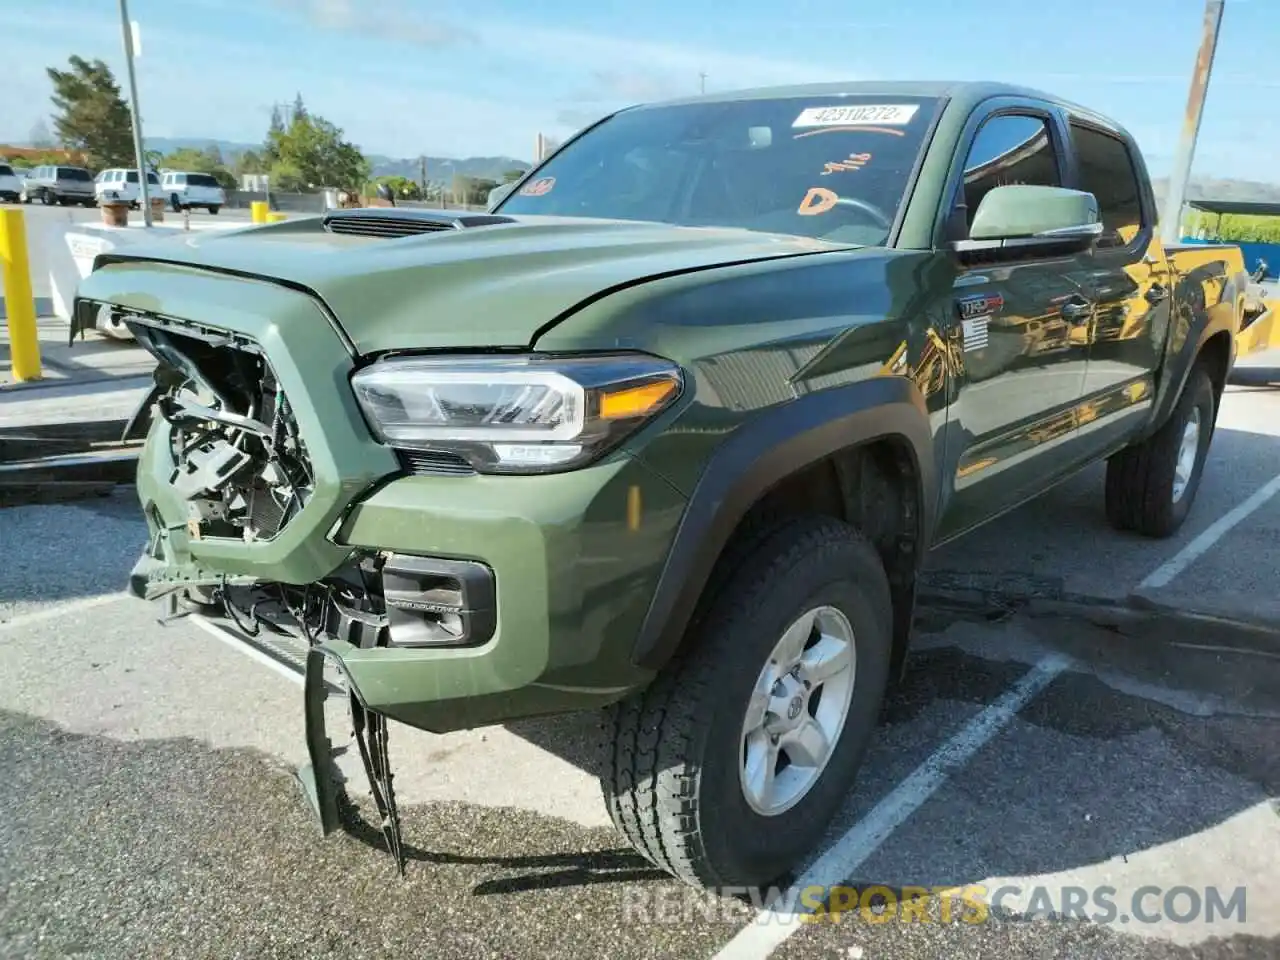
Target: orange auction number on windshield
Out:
[817,200]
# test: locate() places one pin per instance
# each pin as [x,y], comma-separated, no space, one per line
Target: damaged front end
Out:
[240,463]
[225,479]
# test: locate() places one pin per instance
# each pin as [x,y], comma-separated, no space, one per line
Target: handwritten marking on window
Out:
[855,161]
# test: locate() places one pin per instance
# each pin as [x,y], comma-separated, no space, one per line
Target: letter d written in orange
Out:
[817,200]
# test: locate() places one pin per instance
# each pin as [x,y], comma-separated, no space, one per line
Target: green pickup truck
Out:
[669,431]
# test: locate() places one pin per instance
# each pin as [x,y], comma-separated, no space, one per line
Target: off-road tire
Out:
[1140,478]
[671,753]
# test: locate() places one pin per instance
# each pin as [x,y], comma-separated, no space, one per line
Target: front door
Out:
[1020,322]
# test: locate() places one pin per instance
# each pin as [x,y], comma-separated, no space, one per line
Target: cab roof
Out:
[964,94]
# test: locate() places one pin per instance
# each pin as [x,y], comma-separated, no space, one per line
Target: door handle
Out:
[1077,311]
[1157,292]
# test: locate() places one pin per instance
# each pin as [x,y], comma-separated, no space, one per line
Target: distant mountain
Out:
[439,169]
[229,148]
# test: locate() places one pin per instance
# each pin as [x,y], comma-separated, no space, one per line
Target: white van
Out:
[184,190]
[119,183]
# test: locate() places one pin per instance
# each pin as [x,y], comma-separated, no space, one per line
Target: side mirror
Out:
[498,194]
[1024,215]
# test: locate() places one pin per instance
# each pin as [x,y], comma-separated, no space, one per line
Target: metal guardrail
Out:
[50,464]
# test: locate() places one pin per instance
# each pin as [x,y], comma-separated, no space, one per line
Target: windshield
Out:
[833,168]
[201,180]
[73,173]
[6,170]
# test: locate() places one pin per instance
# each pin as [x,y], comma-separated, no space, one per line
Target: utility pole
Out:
[702,82]
[422,175]
[1171,228]
[144,198]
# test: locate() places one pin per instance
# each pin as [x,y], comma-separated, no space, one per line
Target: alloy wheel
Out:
[1188,450]
[797,711]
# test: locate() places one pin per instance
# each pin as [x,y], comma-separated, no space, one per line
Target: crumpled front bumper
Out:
[574,557]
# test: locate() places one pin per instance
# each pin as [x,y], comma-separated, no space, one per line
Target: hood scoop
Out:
[395,222]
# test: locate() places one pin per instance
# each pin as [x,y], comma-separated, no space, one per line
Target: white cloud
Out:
[391,21]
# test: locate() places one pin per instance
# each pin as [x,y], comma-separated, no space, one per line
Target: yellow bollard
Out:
[258,211]
[20,305]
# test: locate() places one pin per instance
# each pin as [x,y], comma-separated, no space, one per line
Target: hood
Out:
[497,284]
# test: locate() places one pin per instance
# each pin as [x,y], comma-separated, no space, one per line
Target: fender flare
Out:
[1178,366]
[764,451]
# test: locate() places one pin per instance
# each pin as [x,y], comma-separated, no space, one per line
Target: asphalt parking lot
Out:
[1125,775]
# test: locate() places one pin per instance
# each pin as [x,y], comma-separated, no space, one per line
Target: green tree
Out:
[471,190]
[250,161]
[91,115]
[41,138]
[402,187]
[511,176]
[310,153]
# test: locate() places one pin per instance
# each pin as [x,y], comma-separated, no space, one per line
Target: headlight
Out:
[526,414]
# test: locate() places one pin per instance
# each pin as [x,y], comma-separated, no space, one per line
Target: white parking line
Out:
[1187,555]
[60,610]
[771,928]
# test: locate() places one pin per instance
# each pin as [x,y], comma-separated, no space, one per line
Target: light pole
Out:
[143,194]
[1171,228]
[702,83]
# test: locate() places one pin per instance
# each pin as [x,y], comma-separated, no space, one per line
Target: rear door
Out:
[1015,321]
[1130,282]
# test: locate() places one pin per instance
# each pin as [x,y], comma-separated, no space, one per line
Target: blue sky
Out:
[404,77]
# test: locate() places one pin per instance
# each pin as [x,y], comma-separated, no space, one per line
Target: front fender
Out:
[766,449]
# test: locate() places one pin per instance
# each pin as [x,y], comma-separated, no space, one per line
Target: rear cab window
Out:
[1106,170]
[73,173]
[831,168]
[201,180]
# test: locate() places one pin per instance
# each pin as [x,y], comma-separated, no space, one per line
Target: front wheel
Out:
[1151,485]
[175,203]
[213,210]
[728,768]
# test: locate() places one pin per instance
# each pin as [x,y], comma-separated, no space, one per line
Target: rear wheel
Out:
[214,209]
[1152,485]
[728,768]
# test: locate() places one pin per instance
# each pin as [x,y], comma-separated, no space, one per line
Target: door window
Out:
[1008,149]
[1106,171]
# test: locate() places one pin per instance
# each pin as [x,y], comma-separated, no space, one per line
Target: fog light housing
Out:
[433,602]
